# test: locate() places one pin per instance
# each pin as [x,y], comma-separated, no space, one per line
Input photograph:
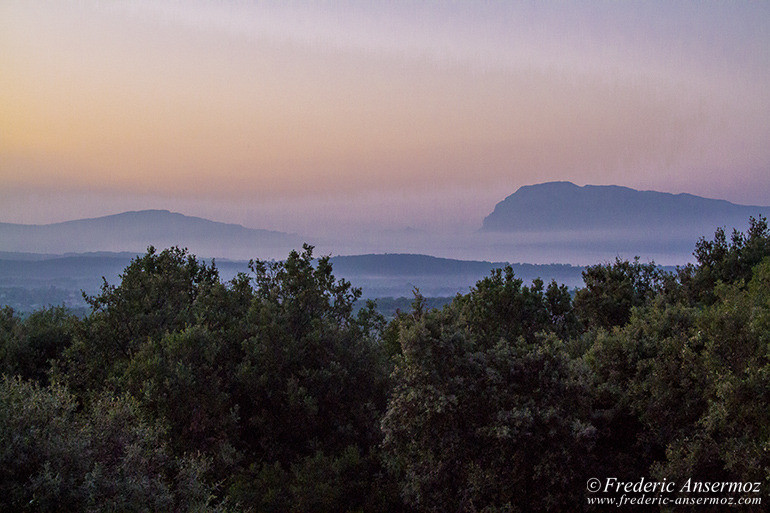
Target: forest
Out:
[276,392]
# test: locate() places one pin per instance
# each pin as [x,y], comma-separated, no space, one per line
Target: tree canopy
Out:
[272,392]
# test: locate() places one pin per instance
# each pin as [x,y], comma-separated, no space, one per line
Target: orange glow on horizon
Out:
[215,102]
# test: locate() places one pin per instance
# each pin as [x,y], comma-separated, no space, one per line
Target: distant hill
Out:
[135,231]
[77,272]
[30,281]
[394,275]
[390,264]
[564,206]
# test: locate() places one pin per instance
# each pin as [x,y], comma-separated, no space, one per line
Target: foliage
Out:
[732,435]
[500,307]
[721,261]
[184,379]
[29,346]
[645,374]
[157,294]
[311,382]
[476,417]
[107,459]
[269,371]
[612,290]
[276,392]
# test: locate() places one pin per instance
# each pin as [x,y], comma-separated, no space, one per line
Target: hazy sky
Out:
[301,116]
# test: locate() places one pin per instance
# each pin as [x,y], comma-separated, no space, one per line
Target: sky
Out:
[353,116]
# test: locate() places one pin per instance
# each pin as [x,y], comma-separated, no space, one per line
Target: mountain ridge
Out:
[146,214]
[548,222]
[134,231]
[563,205]
[29,282]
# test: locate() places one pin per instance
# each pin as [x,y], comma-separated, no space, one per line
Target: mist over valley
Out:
[548,231]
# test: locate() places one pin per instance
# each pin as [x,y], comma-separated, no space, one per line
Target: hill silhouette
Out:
[30,281]
[564,206]
[394,275]
[135,231]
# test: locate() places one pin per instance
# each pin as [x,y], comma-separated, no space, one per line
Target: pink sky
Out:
[323,116]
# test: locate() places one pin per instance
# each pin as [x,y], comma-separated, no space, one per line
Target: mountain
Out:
[29,282]
[564,206]
[390,264]
[409,265]
[135,231]
[394,275]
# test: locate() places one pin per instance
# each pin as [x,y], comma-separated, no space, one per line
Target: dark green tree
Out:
[157,294]
[647,390]
[612,290]
[500,306]
[311,388]
[720,260]
[107,458]
[185,378]
[29,347]
[730,440]
[488,410]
